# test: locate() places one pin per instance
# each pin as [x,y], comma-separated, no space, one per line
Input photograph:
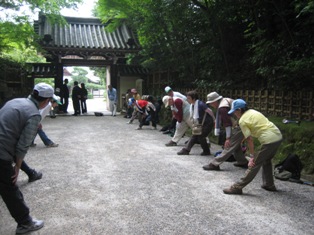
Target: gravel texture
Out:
[108,178]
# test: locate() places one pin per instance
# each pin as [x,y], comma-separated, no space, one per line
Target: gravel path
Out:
[108,178]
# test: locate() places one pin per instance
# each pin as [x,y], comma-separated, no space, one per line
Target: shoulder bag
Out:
[197,128]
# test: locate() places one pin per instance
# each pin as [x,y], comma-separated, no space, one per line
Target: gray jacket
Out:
[19,119]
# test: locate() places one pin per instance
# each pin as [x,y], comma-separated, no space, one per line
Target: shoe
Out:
[205,153]
[52,145]
[31,226]
[171,143]
[129,122]
[241,165]
[211,167]
[167,132]
[33,145]
[183,152]
[233,190]
[36,175]
[139,128]
[269,188]
[154,128]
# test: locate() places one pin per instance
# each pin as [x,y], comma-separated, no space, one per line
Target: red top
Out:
[178,103]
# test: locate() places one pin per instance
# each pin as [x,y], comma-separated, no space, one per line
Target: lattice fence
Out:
[299,105]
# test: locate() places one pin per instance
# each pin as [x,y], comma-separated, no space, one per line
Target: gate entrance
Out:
[86,42]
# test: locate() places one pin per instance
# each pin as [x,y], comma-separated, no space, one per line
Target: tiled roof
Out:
[132,70]
[85,35]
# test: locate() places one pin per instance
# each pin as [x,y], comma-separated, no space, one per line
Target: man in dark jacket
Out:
[76,96]
[65,94]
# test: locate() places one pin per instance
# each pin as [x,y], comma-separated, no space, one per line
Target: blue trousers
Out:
[44,137]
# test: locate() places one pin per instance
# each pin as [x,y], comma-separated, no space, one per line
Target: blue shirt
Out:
[112,94]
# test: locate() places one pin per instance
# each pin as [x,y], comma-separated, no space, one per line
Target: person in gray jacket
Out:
[19,119]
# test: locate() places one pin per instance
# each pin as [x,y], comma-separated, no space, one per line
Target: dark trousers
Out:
[76,106]
[83,106]
[65,104]
[26,168]
[152,116]
[129,111]
[201,139]
[11,195]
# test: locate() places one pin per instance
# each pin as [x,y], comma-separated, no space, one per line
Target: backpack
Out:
[291,164]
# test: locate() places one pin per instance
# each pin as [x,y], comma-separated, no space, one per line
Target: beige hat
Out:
[212,97]
[165,100]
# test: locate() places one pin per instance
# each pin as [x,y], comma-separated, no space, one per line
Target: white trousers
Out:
[113,107]
[181,128]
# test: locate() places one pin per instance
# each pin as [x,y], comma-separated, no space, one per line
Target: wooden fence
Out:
[288,104]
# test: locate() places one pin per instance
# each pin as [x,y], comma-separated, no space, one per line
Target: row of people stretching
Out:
[240,124]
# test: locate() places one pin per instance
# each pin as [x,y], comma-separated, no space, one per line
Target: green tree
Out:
[79,75]
[237,43]
[17,32]
[101,73]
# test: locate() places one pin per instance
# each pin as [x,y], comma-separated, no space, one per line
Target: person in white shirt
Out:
[44,112]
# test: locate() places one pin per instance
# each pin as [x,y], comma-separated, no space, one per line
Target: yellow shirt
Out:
[136,96]
[255,124]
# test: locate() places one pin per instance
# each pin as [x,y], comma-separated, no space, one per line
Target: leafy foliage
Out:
[16,17]
[231,43]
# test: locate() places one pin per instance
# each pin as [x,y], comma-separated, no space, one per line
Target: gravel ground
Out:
[108,178]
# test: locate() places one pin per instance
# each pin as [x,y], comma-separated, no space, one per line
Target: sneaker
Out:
[183,152]
[171,143]
[233,190]
[241,165]
[154,128]
[139,128]
[269,188]
[129,122]
[211,167]
[31,226]
[205,153]
[33,145]
[36,175]
[52,145]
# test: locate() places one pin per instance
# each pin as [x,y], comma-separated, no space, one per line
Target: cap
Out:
[131,101]
[167,89]
[44,90]
[56,99]
[237,104]
[212,97]
[165,100]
